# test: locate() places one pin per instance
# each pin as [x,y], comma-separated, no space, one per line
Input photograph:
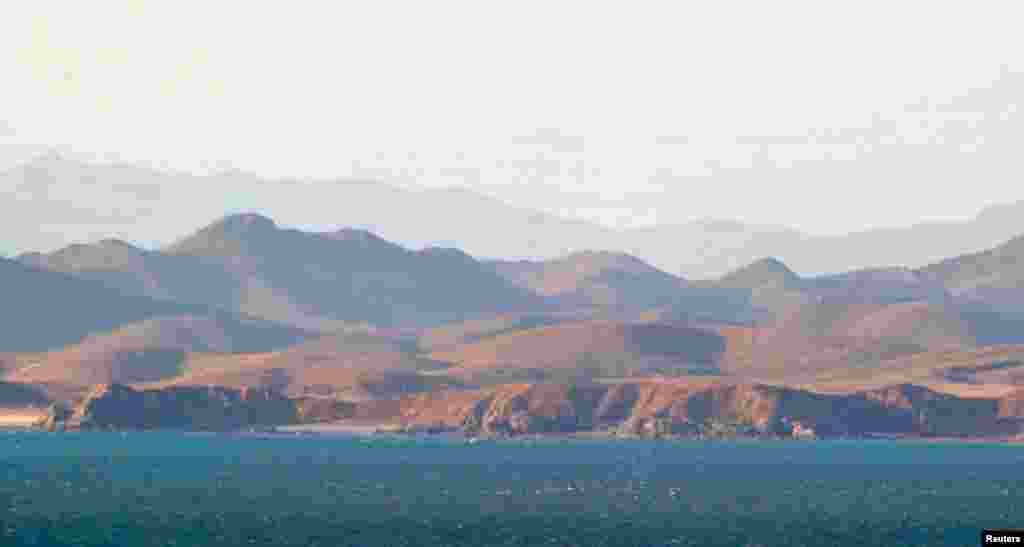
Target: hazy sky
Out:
[825,117]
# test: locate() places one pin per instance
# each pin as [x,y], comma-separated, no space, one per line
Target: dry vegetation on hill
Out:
[245,304]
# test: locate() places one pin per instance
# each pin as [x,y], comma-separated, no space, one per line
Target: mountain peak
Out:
[768,271]
[246,222]
[608,260]
[241,225]
[235,228]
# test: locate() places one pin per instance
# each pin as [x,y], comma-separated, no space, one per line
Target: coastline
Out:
[362,428]
[21,418]
[392,430]
[384,430]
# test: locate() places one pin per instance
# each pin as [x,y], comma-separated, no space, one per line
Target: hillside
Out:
[597,280]
[45,310]
[245,304]
[655,408]
[151,350]
[450,335]
[350,366]
[991,366]
[763,273]
[789,327]
[993,278]
[348,276]
[338,280]
[193,408]
[131,270]
[586,349]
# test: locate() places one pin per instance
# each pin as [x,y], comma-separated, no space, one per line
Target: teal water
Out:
[190,490]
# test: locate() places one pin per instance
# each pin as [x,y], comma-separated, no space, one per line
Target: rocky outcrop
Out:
[14,394]
[666,408]
[1011,406]
[318,410]
[640,408]
[940,414]
[1011,411]
[116,406]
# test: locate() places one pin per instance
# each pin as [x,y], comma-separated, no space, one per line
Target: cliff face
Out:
[1011,405]
[655,407]
[636,408]
[940,414]
[115,406]
[14,395]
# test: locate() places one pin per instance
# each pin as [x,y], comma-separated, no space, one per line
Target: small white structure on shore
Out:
[800,431]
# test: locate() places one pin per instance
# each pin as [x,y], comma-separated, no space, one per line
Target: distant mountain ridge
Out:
[607,280]
[45,310]
[481,226]
[125,268]
[766,272]
[246,264]
[154,349]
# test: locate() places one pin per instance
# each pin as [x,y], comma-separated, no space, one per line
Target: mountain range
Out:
[249,283]
[245,303]
[152,208]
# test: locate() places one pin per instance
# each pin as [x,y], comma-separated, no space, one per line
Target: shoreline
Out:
[392,430]
[21,418]
[354,427]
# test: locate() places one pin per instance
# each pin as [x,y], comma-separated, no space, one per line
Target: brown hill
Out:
[450,335]
[602,280]
[771,288]
[879,286]
[764,273]
[851,321]
[151,350]
[830,331]
[997,365]
[1001,267]
[352,366]
[988,288]
[815,333]
[586,349]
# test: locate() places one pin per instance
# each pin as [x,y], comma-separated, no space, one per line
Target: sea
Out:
[174,488]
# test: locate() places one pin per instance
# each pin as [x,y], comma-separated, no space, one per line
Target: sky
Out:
[826,118]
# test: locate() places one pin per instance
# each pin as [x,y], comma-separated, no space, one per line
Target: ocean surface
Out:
[165,488]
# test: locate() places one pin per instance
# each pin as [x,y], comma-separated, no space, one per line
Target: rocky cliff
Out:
[14,395]
[638,408]
[116,406]
[641,408]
